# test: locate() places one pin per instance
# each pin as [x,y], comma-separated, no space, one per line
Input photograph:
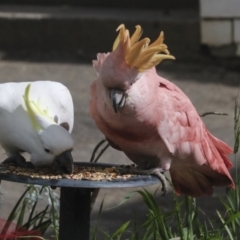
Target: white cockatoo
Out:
[37,118]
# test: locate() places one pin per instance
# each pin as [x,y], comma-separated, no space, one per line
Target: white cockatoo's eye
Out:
[46,150]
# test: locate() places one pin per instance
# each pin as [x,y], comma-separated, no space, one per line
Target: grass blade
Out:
[123,201]
[120,230]
[21,215]
[225,226]
[13,213]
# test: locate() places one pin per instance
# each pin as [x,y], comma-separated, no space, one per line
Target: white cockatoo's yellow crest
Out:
[33,109]
[140,54]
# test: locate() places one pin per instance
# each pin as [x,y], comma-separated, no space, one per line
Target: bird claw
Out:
[158,172]
[18,161]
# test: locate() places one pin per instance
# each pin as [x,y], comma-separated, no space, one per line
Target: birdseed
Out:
[80,173]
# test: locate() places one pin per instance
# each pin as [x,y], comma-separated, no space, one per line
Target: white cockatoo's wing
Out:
[53,96]
[55,100]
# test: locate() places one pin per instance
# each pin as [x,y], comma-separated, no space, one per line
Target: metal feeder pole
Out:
[75,213]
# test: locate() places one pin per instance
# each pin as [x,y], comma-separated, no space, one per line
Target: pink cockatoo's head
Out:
[129,60]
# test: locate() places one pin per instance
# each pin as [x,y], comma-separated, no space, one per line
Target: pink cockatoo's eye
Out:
[118,98]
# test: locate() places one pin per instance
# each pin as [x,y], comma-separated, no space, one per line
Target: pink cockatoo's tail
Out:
[151,120]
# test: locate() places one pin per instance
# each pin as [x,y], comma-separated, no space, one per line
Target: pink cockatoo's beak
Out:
[118,98]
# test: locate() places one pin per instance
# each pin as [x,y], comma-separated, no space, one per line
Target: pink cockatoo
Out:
[151,120]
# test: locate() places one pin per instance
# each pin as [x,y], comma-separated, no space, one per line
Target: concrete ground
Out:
[209,85]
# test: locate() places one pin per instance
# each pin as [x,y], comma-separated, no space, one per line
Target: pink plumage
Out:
[152,121]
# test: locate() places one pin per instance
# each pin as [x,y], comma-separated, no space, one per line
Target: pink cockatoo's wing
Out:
[199,159]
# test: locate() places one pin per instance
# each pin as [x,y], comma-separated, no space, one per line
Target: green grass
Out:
[27,220]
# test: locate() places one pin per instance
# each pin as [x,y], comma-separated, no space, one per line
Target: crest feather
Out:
[34,110]
[138,53]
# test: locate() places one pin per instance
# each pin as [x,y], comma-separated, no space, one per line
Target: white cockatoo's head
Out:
[54,142]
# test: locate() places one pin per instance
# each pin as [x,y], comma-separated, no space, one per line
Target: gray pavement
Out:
[211,87]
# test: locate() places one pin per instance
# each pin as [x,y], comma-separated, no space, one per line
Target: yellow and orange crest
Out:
[138,53]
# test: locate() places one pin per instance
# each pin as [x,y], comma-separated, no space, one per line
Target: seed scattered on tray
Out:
[80,173]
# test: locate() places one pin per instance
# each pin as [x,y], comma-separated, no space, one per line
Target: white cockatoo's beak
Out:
[65,162]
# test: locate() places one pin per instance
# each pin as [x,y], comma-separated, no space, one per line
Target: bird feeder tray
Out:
[75,196]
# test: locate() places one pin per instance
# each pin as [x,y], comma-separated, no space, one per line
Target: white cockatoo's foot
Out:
[158,172]
[18,161]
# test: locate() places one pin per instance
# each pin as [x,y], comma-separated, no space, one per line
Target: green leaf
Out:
[232,218]
[120,230]
[225,226]
[95,230]
[106,234]
[123,201]
[38,217]
[31,237]
[236,126]
[21,215]
[43,226]
[34,206]
[13,213]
